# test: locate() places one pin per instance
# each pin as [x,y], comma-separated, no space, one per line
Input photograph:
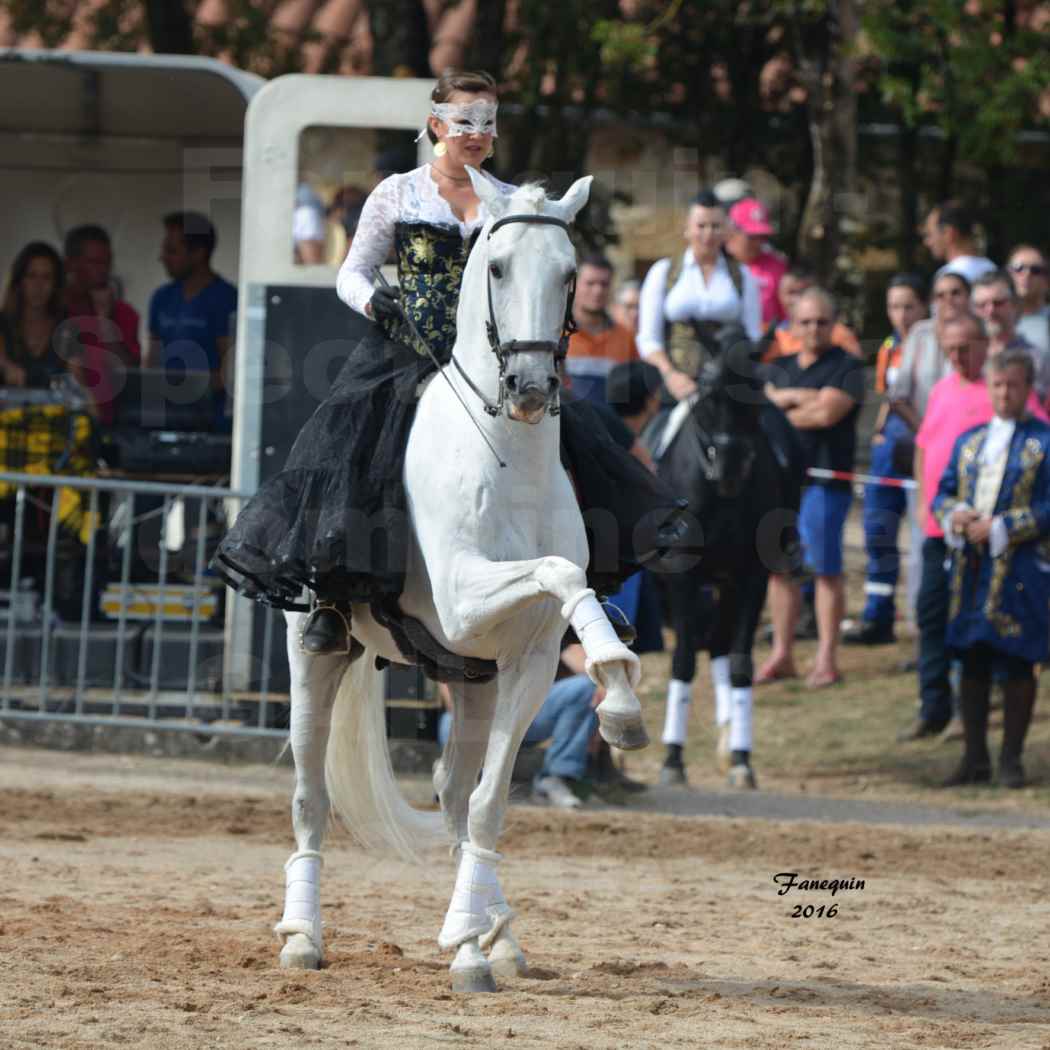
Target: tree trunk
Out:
[486,49]
[170,27]
[828,74]
[401,39]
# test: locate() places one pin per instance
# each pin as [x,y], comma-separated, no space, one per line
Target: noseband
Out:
[502,350]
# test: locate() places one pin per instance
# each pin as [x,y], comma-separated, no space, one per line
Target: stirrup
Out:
[308,622]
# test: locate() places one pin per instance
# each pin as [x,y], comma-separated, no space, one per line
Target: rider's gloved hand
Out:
[386,305]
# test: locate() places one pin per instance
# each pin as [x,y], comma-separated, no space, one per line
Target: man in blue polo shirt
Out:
[190,318]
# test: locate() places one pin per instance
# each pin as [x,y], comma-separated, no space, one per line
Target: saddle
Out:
[418,646]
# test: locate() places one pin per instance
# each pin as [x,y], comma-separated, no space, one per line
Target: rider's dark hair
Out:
[912,281]
[459,80]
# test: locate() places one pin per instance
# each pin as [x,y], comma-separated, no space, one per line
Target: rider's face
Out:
[463,149]
[705,230]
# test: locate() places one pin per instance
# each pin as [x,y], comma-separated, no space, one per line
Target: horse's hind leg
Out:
[314,684]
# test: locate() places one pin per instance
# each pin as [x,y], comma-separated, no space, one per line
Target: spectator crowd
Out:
[64,317]
[958,452]
[963,377]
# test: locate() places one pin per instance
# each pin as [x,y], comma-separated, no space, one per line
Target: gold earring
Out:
[440,149]
[491,152]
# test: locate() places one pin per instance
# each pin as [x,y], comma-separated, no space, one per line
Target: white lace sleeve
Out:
[371,245]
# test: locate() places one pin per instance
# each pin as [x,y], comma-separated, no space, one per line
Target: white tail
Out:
[361,783]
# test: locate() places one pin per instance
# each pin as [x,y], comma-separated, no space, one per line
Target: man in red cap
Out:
[749,228]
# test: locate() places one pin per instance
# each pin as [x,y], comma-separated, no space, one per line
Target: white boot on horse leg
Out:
[676,726]
[612,666]
[741,775]
[300,926]
[723,686]
[314,684]
[477,913]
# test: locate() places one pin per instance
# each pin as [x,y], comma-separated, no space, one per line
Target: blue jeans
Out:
[883,509]
[566,719]
[935,691]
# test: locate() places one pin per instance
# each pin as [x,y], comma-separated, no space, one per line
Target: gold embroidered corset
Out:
[430,263]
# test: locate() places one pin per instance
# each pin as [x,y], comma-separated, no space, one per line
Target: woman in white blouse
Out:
[685,300]
[335,520]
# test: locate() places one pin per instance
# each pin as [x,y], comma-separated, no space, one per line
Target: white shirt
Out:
[969,266]
[411,197]
[694,299]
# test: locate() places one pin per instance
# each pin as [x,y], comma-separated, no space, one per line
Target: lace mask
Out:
[465,118]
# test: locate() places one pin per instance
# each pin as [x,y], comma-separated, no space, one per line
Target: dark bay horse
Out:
[735,457]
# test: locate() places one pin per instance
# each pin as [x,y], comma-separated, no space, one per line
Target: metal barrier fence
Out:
[150,643]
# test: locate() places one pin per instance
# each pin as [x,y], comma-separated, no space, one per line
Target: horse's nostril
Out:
[512,383]
[553,383]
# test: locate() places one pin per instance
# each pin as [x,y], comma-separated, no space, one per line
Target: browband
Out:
[535,220]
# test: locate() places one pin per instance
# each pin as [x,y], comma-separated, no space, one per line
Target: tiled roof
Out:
[332,36]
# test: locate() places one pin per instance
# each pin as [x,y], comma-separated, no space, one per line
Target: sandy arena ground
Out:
[137,898]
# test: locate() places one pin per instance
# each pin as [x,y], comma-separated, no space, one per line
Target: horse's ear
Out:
[489,194]
[574,199]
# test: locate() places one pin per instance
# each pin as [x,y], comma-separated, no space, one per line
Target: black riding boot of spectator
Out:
[1018,702]
[326,631]
[976,766]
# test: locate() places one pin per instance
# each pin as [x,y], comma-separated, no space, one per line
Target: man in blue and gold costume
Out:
[994,503]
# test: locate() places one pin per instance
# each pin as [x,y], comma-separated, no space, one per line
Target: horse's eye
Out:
[495,270]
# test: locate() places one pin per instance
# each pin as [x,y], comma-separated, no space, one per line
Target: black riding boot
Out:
[326,630]
[1018,702]
[976,765]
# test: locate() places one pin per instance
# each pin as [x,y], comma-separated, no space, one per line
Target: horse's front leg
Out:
[479,917]
[314,684]
[479,595]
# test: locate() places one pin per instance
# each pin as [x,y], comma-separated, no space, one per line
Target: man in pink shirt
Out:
[749,228]
[957,403]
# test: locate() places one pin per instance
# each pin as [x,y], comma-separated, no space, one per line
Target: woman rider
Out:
[687,300]
[335,519]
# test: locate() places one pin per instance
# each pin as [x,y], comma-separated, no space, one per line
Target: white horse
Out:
[496,570]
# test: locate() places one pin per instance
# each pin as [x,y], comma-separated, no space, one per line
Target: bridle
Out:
[707,445]
[503,351]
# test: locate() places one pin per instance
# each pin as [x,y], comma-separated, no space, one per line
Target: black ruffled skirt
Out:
[335,520]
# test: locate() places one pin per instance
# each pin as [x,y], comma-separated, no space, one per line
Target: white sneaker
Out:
[556,792]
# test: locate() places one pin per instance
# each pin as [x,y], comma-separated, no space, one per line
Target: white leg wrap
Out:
[302,897]
[676,718]
[740,731]
[598,637]
[478,908]
[723,688]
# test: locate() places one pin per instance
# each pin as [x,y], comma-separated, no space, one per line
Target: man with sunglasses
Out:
[1031,278]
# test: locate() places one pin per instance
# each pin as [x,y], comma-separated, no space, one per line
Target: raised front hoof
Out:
[300,953]
[625,732]
[673,776]
[472,979]
[741,776]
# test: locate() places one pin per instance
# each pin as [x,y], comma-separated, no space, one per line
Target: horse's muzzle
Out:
[530,404]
